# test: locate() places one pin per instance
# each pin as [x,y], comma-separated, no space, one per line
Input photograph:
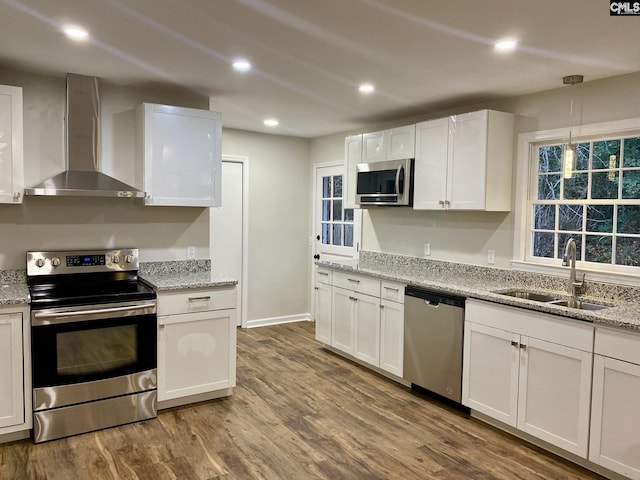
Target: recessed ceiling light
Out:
[75,32]
[366,88]
[506,45]
[271,122]
[241,65]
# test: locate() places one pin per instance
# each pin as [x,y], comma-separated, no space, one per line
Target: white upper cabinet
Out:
[374,146]
[180,153]
[464,162]
[11,163]
[392,144]
[352,157]
[401,142]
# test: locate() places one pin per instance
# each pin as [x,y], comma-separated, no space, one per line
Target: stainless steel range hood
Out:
[82,134]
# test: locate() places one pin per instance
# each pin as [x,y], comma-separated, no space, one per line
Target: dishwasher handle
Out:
[434,298]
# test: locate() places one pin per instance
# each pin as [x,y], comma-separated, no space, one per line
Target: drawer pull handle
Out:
[523,346]
[353,298]
[393,289]
[514,343]
[326,274]
[205,297]
[353,280]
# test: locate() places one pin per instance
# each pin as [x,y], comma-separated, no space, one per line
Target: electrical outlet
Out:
[191,253]
[491,257]
[427,249]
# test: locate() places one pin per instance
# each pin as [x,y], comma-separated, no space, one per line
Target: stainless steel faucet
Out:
[575,286]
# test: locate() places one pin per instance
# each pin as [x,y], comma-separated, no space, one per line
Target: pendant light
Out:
[569,157]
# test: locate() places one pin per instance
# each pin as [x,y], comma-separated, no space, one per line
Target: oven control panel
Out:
[87,261]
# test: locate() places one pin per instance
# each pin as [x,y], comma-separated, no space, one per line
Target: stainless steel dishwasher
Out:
[433,330]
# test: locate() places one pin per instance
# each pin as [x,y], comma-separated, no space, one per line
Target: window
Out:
[599,206]
[337,223]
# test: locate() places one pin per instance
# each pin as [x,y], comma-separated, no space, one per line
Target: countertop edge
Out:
[609,317]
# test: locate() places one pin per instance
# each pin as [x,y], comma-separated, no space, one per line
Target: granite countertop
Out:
[182,274]
[14,294]
[485,283]
[13,287]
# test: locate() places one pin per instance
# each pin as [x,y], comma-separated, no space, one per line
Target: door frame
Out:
[244,280]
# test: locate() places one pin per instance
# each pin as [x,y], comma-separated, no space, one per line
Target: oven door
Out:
[80,344]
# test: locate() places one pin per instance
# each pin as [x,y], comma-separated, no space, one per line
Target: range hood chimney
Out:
[82,143]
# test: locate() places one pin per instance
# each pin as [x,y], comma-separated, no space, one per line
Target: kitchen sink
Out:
[572,303]
[527,295]
[552,299]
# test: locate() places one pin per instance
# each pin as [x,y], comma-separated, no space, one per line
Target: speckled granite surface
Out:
[13,287]
[485,282]
[182,274]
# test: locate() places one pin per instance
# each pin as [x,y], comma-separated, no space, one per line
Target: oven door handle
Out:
[59,317]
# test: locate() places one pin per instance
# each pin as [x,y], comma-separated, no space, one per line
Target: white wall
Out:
[279,256]
[466,237]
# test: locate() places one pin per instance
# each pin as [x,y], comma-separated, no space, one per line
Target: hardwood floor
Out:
[298,412]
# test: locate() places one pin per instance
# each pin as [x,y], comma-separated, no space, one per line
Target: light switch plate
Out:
[491,257]
[191,253]
[427,249]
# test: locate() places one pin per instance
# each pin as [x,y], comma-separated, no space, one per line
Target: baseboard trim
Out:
[263,322]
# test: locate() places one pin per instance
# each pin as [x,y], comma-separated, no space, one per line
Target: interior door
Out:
[337,229]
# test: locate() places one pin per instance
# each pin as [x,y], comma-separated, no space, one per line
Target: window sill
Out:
[590,275]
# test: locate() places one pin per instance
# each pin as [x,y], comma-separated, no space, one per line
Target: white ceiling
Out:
[309,56]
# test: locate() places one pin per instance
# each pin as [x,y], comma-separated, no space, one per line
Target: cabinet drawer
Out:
[323,276]
[357,283]
[618,344]
[392,291]
[196,300]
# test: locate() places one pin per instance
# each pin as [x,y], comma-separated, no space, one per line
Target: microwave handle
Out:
[398,172]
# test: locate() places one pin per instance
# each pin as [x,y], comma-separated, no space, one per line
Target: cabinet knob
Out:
[16,195]
[441,202]
[523,346]
[447,202]
[514,343]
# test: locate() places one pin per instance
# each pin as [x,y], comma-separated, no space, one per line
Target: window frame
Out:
[526,185]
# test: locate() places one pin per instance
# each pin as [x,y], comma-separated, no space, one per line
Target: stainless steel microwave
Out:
[388,183]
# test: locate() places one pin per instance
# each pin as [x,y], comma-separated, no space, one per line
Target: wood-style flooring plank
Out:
[298,412]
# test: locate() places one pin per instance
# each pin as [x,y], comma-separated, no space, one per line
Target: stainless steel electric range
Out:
[93,337]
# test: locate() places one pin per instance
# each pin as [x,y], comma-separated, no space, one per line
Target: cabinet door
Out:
[374,146]
[391,337]
[555,392]
[466,174]
[401,143]
[11,374]
[343,314]
[367,328]
[490,372]
[323,312]
[430,174]
[182,156]
[196,353]
[11,164]
[352,157]
[615,417]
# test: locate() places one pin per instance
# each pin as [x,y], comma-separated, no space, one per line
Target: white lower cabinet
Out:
[529,370]
[343,318]
[196,343]
[367,328]
[15,372]
[391,336]
[323,305]
[366,321]
[615,417]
